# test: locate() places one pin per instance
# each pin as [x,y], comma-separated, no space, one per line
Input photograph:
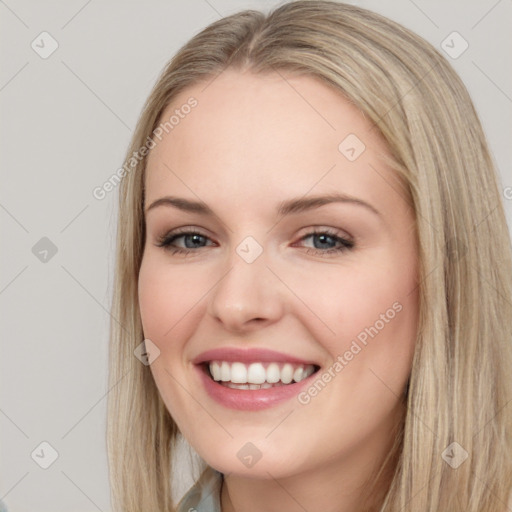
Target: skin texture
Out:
[252,142]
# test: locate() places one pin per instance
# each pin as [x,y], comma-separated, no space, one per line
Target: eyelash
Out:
[166,240]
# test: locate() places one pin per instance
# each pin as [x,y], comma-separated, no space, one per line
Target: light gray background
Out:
[65,124]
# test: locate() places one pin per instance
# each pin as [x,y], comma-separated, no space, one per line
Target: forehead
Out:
[252,136]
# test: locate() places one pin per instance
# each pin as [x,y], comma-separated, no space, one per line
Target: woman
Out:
[313,278]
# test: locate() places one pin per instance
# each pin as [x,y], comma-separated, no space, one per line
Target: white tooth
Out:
[308,371]
[238,373]
[225,372]
[256,373]
[298,374]
[273,374]
[287,373]
[237,386]
[215,370]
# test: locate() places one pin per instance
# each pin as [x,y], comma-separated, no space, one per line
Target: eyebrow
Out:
[290,206]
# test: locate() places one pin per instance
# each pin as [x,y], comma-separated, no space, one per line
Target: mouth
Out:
[257,375]
[253,379]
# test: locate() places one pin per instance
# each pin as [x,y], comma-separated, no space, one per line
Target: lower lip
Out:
[251,399]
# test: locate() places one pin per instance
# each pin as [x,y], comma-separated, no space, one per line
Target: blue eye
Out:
[328,242]
[192,239]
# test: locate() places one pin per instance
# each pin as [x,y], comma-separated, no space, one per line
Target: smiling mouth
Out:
[257,375]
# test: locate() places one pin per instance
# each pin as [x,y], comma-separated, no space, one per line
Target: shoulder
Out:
[204,495]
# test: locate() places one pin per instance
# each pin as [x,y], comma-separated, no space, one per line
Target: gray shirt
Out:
[204,495]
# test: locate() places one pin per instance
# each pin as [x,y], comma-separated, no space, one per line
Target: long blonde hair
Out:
[460,382]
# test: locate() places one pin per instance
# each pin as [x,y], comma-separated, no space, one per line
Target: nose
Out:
[248,296]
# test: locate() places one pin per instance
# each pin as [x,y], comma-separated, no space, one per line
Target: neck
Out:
[357,483]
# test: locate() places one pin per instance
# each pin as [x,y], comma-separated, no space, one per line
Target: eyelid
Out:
[322,228]
[168,236]
[185,230]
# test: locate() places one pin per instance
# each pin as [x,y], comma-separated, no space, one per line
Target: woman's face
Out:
[277,278]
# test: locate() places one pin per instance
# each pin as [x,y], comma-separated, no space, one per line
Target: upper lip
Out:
[249,355]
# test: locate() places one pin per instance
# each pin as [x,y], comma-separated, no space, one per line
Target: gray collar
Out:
[204,495]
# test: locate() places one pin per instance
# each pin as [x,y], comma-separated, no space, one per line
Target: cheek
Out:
[166,297]
[155,296]
[371,311]
[169,302]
